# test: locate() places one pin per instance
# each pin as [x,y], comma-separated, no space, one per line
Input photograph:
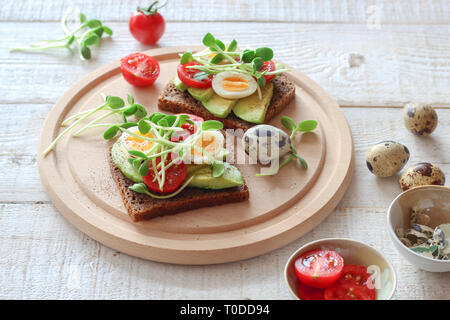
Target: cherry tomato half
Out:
[147,25]
[319,268]
[140,70]
[175,176]
[269,66]
[354,284]
[309,293]
[186,75]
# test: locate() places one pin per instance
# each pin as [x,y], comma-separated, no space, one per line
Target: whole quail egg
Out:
[266,143]
[421,174]
[420,119]
[387,158]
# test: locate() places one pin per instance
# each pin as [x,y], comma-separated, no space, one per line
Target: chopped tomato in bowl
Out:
[355,283]
[319,268]
[339,269]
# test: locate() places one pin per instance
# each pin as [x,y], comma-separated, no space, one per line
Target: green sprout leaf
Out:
[108,31]
[300,160]
[130,110]
[288,123]
[261,81]
[82,17]
[137,164]
[143,169]
[138,154]
[211,125]
[128,125]
[91,40]
[307,125]
[139,188]
[155,117]
[217,58]
[115,102]
[141,112]
[85,52]
[71,40]
[257,64]
[232,46]
[130,98]
[143,126]
[264,53]
[220,44]
[94,23]
[110,132]
[186,57]
[247,56]
[209,40]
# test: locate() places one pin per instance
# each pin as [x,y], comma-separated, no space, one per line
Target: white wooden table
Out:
[405,47]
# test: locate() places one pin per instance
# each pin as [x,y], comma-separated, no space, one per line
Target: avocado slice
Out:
[179,84]
[119,156]
[218,106]
[204,179]
[201,94]
[192,168]
[253,109]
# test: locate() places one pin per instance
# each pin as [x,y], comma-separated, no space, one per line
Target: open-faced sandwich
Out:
[174,163]
[240,88]
[163,164]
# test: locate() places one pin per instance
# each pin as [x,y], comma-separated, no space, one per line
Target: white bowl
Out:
[353,252]
[437,199]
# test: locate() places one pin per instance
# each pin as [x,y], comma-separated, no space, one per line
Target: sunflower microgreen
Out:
[87,34]
[225,58]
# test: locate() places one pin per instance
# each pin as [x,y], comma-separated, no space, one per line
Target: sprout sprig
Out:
[87,34]
[250,61]
[303,126]
[113,105]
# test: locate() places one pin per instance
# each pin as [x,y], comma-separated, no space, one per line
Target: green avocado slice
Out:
[119,155]
[218,106]
[201,94]
[253,109]
[204,179]
[179,84]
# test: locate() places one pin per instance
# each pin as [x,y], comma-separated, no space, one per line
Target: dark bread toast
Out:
[142,207]
[175,101]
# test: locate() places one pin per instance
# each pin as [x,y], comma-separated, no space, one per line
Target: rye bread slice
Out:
[142,207]
[173,100]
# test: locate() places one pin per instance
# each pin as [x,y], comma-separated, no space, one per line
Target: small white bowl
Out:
[353,252]
[437,199]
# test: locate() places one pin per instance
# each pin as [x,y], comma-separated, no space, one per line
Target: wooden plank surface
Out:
[407,58]
[316,11]
[412,64]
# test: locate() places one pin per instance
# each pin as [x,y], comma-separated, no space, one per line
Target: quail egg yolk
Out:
[206,142]
[134,143]
[235,84]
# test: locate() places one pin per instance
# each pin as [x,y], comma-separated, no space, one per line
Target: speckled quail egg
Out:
[420,119]
[421,174]
[266,143]
[387,158]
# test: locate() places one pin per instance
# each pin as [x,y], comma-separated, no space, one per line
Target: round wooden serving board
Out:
[281,208]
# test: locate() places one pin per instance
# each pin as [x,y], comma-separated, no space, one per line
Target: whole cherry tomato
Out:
[147,25]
